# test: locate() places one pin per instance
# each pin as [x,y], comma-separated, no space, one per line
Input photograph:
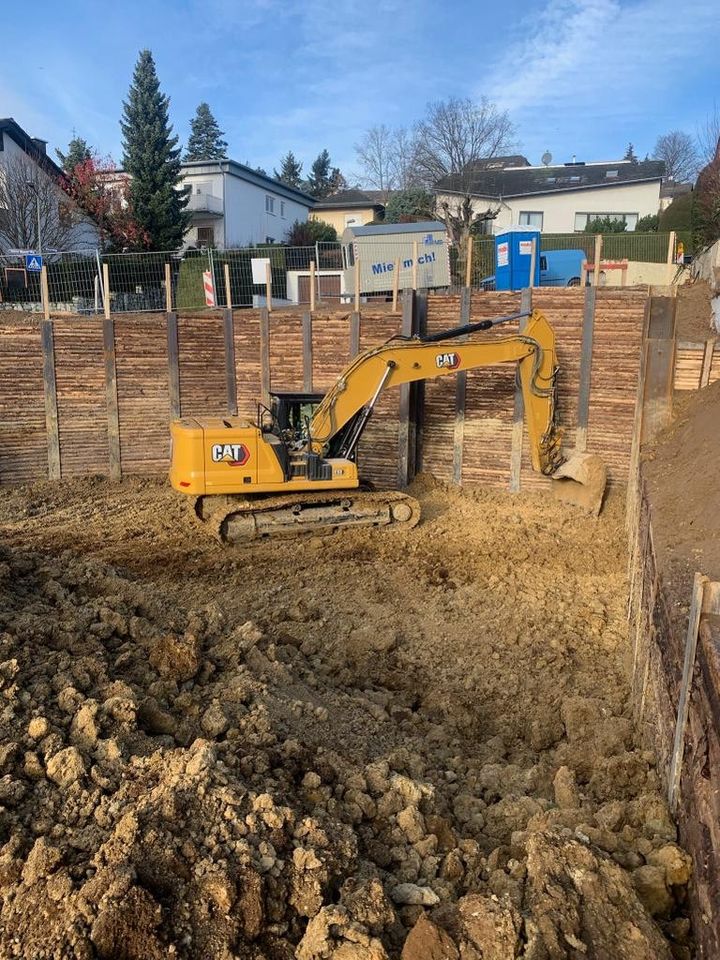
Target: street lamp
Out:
[33,187]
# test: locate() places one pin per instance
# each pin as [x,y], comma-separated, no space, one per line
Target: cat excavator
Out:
[296,469]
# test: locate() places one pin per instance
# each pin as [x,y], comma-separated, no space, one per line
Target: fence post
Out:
[44,292]
[671,247]
[106,290]
[583,409]
[396,285]
[229,343]
[533,261]
[265,356]
[168,289]
[598,255]
[357,285]
[469,263]
[228,289]
[354,334]
[312,286]
[50,391]
[516,441]
[268,287]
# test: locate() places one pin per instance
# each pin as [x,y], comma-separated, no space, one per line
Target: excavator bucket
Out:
[581,480]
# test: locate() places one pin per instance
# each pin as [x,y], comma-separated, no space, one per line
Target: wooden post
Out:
[168,289]
[671,247]
[354,334]
[469,263]
[111,397]
[708,352]
[106,290]
[396,285]
[533,261]
[173,364]
[417,390]
[460,396]
[414,265]
[268,287]
[50,391]
[623,274]
[265,356]
[691,637]
[44,292]
[583,273]
[404,438]
[307,351]
[357,285]
[230,369]
[583,408]
[598,254]
[516,441]
[312,286]
[659,383]
[228,289]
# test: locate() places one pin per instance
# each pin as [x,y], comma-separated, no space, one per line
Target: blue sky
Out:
[579,77]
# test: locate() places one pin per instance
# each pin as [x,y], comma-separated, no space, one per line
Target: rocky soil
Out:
[359,747]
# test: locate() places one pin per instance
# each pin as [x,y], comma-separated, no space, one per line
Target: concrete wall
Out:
[707,266]
[559,208]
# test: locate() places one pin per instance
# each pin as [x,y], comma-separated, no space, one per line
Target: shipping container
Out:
[377,249]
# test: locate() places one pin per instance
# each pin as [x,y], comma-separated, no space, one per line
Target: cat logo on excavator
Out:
[236,454]
[449,361]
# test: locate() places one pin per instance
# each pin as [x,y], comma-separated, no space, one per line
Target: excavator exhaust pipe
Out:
[581,480]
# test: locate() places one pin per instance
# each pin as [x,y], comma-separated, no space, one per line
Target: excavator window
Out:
[292,411]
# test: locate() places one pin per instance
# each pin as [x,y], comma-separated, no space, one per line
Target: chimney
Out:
[40,144]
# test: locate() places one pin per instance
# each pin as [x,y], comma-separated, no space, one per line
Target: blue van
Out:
[558,268]
[561,268]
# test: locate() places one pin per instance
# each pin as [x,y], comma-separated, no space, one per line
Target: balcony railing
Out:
[205,203]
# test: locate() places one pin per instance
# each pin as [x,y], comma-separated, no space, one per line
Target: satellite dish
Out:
[547,158]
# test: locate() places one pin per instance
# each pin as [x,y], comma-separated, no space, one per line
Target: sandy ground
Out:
[370,745]
[693,319]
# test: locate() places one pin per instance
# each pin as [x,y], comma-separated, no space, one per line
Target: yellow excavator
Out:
[296,469]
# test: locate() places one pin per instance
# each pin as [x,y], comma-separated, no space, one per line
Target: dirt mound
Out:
[359,747]
[682,469]
[693,317]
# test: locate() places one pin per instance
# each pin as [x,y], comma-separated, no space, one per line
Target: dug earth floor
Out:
[365,746]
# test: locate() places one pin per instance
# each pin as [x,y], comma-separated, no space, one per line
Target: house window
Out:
[282,209]
[581,219]
[610,174]
[270,205]
[205,236]
[530,218]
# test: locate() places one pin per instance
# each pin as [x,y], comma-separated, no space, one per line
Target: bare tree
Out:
[387,159]
[708,137]
[26,193]
[677,150]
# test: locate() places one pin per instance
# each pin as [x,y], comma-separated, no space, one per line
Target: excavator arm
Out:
[345,409]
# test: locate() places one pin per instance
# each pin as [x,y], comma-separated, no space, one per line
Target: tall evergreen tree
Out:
[206,138]
[78,152]
[319,184]
[152,159]
[290,171]
[630,154]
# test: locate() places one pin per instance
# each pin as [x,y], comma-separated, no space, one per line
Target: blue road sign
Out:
[33,262]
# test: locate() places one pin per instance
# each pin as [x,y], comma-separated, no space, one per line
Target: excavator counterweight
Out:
[295,470]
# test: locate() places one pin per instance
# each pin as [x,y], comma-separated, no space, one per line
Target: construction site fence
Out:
[244,277]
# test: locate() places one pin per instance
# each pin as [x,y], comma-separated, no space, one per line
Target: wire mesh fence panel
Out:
[641,247]
[137,281]
[73,283]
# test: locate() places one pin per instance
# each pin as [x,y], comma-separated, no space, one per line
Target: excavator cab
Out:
[291,412]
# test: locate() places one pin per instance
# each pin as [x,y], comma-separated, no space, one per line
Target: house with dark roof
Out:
[347,208]
[28,175]
[556,199]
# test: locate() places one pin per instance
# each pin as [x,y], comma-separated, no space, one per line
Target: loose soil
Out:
[693,317]
[356,747]
[682,468]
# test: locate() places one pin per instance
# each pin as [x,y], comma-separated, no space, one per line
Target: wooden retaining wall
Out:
[696,363]
[659,651]
[93,395]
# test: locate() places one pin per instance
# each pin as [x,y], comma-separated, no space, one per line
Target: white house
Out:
[556,199]
[30,179]
[235,206]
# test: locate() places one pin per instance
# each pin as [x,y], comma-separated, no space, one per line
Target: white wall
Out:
[83,233]
[559,208]
[247,221]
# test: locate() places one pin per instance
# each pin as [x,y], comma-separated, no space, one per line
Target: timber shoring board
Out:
[23,443]
[144,388]
[658,647]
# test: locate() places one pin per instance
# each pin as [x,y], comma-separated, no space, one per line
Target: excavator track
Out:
[239,519]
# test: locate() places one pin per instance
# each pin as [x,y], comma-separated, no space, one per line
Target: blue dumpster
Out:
[513,252]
